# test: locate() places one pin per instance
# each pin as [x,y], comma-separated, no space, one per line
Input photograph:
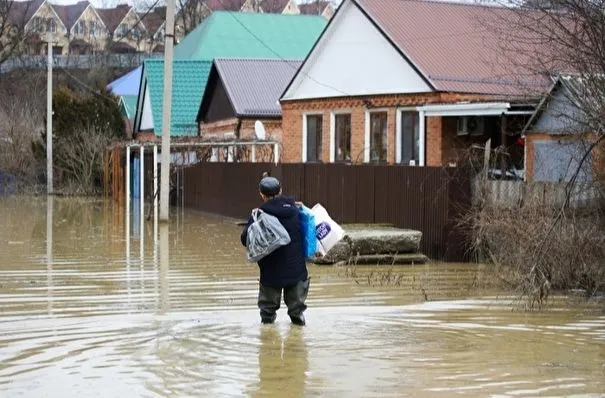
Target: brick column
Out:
[391,134]
[291,136]
[358,133]
[434,141]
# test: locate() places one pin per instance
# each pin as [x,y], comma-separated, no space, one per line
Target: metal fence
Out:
[86,61]
[422,198]
[514,194]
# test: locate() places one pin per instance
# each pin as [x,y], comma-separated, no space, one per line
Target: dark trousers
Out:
[269,299]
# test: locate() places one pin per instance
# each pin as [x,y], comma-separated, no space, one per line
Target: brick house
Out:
[86,31]
[223,34]
[125,30]
[33,23]
[241,91]
[406,82]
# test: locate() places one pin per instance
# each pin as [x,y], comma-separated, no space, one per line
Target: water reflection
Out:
[282,360]
[89,310]
[49,250]
[164,302]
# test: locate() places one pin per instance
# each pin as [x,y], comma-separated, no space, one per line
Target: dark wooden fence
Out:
[427,199]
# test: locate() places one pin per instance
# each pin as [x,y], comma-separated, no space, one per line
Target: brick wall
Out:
[293,112]
[598,154]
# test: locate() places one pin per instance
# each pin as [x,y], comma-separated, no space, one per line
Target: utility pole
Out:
[49,121]
[166,112]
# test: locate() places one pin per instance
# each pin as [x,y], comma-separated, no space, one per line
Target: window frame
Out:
[367,155]
[333,116]
[304,157]
[421,135]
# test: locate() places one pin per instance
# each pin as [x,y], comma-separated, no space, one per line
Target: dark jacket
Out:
[286,265]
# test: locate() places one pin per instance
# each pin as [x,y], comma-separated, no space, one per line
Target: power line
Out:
[288,62]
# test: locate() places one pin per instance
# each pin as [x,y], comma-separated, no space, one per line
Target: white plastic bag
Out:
[328,232]
[265,234]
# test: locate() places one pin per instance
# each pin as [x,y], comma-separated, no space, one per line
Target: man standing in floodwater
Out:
[285,268]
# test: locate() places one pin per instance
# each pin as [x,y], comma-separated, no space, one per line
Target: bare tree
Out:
[21,120]
[190,14]
[80,158]
[14,16]
[555,46]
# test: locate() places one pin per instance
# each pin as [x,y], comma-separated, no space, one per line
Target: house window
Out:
[52,26]
[122,30]
[342,137]
[410,138]
[378,137]
[314,137]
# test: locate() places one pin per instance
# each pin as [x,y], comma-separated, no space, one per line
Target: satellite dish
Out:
[259,130]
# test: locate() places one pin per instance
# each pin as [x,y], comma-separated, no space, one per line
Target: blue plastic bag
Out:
[307,228]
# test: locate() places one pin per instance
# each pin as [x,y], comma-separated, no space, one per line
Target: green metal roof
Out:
[189,79]
[251,35]
[128,105]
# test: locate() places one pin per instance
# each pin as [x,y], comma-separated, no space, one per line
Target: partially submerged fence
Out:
[518,193]
[427,199]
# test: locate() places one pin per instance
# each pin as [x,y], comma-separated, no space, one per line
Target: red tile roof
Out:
[113,16]
[454,45]
[313,7]
[225,5]
[69,14]
[274,6]
[20,12]
[153,19]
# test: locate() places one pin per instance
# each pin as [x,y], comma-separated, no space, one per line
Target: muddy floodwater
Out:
[93,307]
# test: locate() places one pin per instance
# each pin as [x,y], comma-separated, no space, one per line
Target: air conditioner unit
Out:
[471,125]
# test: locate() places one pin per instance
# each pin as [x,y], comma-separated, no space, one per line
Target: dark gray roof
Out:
[254,86]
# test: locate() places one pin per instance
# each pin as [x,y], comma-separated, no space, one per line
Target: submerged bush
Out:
[542,248]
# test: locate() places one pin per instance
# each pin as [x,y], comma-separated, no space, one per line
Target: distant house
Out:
[397,82]
[154,22]
[192,12]
[240,92]
[323,8]
[280,7]
[86,31]
[126,31]
[228,35]
[35,22]
[558,136]
[126,88]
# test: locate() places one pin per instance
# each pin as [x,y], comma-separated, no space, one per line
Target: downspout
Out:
[237,137]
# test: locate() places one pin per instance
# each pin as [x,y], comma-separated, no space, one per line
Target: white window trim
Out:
[367,141]
[333,115]
[421,134]
[304,133]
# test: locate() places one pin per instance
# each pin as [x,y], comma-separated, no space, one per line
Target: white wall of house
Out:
[147,114]
[560,115]
[354,58]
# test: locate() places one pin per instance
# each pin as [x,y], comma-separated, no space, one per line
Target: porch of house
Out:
[486,135]
[432,134]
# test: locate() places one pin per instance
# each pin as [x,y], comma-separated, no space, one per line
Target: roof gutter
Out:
[472,109]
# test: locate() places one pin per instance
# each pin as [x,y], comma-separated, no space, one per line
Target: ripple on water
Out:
[95,320]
